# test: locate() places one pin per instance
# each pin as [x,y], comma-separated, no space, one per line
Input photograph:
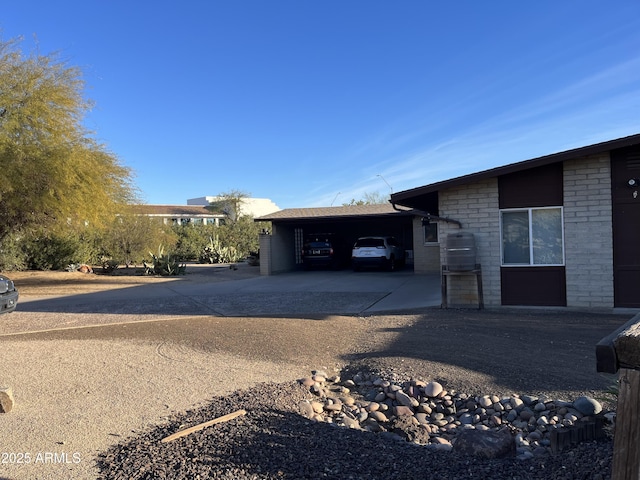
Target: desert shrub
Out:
[50,252]
[12,256]
[129,238]
[191,240]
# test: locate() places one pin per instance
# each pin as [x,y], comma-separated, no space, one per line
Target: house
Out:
[558,230]
[280,250]
[255,207]
[200,211]
[180,214]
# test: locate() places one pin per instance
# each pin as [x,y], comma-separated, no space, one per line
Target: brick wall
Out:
[265,253]
[588,233]
[277,251]
[476,206]
[426,256]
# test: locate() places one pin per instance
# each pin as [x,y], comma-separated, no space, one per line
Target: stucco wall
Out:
[588,235]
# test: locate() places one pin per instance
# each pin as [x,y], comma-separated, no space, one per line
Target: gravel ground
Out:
[112,392]
[75,398]
[272,441]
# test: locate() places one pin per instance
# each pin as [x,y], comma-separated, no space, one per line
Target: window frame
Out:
[529,211]
[424,234]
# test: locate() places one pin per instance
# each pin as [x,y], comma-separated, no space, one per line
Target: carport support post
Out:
[619,353]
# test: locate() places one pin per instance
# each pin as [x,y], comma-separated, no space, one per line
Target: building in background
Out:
[255,207]
[199,211]
[180,214]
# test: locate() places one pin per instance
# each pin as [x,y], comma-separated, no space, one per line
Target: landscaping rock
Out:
[485,444]
[587,406]
[431,415]
[6,399]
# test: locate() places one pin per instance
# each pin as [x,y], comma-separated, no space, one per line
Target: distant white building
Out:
[256,207]
[180,214]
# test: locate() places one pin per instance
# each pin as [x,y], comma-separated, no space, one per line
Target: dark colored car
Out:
[324,250]
[8,295]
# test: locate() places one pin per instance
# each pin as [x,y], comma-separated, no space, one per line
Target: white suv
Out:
[381,252]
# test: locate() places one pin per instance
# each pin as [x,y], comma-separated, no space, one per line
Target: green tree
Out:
[54,173]
[130,238]
[242,235]
[192,239]
[374,198]
[230,203]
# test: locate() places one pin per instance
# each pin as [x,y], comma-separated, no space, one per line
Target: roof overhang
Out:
[334,213]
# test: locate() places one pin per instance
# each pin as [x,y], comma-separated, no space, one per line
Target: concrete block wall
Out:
[265,253]
[426,256]
[476,206]
[588,234]
[277,251]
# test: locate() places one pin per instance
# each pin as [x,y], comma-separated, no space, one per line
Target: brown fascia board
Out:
[398,198]
[331,213]
[328,217]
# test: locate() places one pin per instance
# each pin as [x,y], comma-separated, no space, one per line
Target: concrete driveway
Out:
[229,294]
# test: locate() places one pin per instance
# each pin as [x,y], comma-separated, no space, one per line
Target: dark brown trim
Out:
[536,187]
[533,286]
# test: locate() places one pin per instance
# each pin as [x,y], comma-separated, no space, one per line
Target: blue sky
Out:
[310,103]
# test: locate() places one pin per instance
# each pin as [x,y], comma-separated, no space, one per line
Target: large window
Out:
[532,236]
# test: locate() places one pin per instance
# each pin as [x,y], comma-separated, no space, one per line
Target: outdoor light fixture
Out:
[429,218]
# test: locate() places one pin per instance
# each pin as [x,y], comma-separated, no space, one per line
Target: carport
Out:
[280,249]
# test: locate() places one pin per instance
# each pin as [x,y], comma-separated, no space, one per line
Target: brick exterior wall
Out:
[277,251]
[588,235]
[476,206]
[426,256]
[265,253]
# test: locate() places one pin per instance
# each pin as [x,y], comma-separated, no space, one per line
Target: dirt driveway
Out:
[80,388]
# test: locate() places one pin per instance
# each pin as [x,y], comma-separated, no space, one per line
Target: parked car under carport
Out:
[282,247]
[377,252]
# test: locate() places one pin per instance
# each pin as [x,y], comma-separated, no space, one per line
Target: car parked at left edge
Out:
[8,295]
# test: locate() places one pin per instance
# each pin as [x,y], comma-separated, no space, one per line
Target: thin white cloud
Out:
[597,108]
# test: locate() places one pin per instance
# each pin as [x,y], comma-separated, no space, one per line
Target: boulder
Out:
[587,406]
[6,399]
[485,443]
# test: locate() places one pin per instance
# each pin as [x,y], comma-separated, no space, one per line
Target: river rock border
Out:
[427,414]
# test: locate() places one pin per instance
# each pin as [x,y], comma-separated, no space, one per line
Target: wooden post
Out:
[619,353]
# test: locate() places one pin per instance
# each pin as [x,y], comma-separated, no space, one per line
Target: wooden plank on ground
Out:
[202,426]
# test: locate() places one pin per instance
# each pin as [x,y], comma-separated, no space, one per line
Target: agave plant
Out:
[166,264]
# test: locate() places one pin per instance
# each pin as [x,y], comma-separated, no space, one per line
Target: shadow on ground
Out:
[521,350]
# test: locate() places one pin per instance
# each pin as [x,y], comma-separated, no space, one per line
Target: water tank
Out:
[461,251]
